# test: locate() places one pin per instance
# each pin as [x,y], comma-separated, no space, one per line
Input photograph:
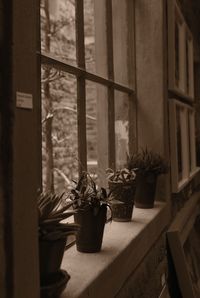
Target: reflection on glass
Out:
[59,129]
[120,41]
[121,128]
[57,20]
[189,141]
[96,131]
[177,75]
[187,68]
[89,35]
[91,127]
[179,142]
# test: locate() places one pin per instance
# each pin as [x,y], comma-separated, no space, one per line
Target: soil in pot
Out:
[89,237]
[145,191]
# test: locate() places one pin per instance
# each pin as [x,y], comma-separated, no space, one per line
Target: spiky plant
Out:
[51,215]
[121,183]
[122,176]
[86,194]
[147,162]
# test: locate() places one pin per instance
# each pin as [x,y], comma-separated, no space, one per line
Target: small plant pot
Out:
[50,256]
[145,191]
[124,195]
[122,211]
[90,235]
[54,285]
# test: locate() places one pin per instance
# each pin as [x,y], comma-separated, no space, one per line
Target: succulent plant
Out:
[146,162]
[122,176]
[51,214]
[86,194]
[121,184]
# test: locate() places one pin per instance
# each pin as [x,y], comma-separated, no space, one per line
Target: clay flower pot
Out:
[90,235]
[50,255]
[122,202]
[145,191]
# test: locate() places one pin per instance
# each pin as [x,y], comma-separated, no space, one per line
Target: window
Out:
[181,98]
[182,143]
[87,86]
[180,53]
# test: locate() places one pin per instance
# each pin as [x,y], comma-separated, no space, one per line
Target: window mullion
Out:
[111,106]
[81,92]
[131,77]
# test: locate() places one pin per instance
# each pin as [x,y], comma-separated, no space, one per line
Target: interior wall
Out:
[6,121]
[151,82]
[152,131]
[2,252]
[26,155]
[150,71]
[19,151]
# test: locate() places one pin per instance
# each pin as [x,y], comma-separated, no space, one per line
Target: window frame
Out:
[82,74]
[175,16]
[188,149]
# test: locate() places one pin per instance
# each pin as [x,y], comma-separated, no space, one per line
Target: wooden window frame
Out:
[177,236]
[188,150]
[82,75]
[176,17]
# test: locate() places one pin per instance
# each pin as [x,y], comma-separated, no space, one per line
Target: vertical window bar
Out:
[111,106]
[131,77]
[81,93]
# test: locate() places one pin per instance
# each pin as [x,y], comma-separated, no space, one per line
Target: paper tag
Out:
[24,100]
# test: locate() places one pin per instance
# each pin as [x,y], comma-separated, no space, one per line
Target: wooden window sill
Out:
[124,246]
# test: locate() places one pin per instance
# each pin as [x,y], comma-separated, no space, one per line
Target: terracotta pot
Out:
[122,212]
[145,191]
[90,235]
[124,194]
[50,256]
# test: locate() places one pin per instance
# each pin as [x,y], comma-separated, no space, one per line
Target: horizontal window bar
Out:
[79,72]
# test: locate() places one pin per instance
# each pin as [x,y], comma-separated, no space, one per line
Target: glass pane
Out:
[192,140]
[59,129]
[96,129]
[189,139]
[100,38]
[187,66]
[120,41]
[89,35]
[177,74]
[179,142]
[121,128]
[57,19]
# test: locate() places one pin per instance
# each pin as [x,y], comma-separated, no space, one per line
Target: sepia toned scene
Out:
[99,148]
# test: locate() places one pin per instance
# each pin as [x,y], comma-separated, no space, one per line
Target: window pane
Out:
[120,41]
[96,128]
[58,29]
[89,35]
[100,38]
[121,128]
[191,137]
[177,75]
[59,129]
[179,142]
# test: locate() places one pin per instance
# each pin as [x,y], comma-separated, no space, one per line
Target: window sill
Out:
[124,246]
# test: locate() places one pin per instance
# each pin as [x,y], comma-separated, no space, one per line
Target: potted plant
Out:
[148,166]
[91,204]
[122,188]
[53,233]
